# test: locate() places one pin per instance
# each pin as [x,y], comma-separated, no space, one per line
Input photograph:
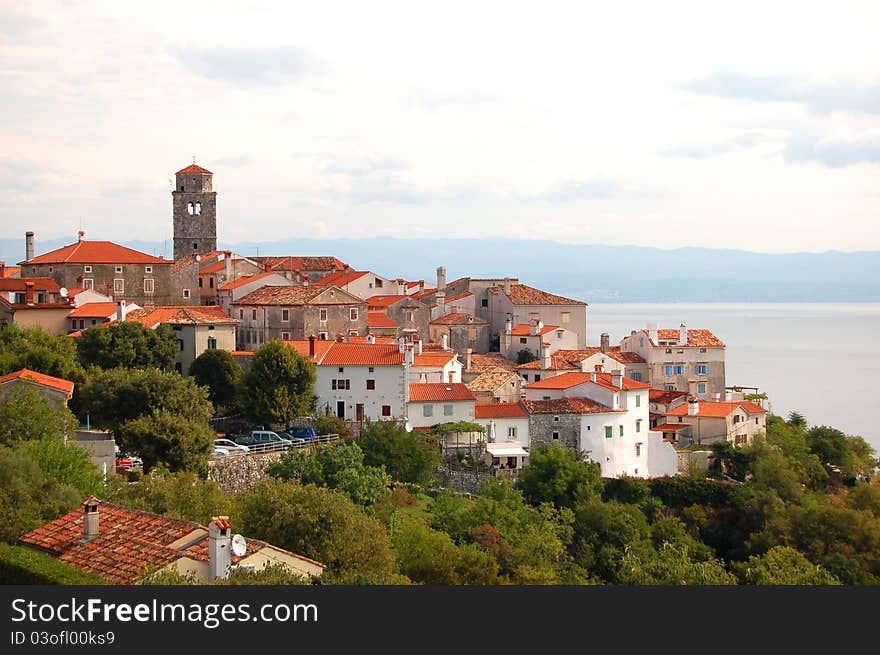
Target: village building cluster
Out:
[497,352]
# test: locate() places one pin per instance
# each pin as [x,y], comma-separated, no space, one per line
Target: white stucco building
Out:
[437,402]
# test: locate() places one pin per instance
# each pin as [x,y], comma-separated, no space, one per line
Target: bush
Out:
[20,565]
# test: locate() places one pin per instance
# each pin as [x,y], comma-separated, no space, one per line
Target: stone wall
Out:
[461,480]
[237,473]
[542,427]
[693,462]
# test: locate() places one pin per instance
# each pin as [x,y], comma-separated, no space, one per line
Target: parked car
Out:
[307,433]
[221,452]
[296,442]
[263,439]
[231,446]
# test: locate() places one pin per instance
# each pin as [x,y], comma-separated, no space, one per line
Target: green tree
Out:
[797,420]
[558,475]
[318,523]
[221,374]
[37,350]
[26,415]
[525,356]
[28,497]
[182,495]
[604,532]
[128,345]
[66,463]
[407,456]
[783,565]
[173,441]
[278,386]
[670,564]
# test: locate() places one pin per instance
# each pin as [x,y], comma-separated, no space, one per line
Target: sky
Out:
[748,125]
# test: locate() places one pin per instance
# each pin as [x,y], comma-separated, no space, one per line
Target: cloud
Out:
[365,166]
[385,188]
[588,189]
[714,148]
[14,24]
[234,161]
[818,97]
[251,65]
[806,147]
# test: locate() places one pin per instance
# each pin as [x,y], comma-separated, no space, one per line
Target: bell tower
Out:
[195,212]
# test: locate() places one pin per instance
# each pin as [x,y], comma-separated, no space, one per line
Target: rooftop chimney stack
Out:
[401,344]
[692,388]
[80,235]
[652,332]
[604,342]
[507,285]
[441,278]
[682,334]
[305,279]
[28,245]
[371,338]
[444,341]
[312,339]
[227,266]
[401,287]
[545,358]
[617,378]
[467,358]
[693,406]
[91,517]
[592,376]
[440,297]
[29,292]
[409,355]
[120,311]
[419,347]
[219,547]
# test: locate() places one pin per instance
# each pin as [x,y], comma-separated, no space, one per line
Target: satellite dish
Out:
[198,258]
[239,545]
[63,292]
[408,426]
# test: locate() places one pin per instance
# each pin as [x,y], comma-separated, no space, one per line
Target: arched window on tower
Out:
[190,208]
[198,208]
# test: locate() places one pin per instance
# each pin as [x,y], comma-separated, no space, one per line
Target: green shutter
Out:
[638,400]
[608,432]
[621,430]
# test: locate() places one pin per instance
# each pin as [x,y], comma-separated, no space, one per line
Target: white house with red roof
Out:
[704,422]
[680,359]
[504,422]
[434,366]
[433,403]
[222,267]
[98,313]
[362,284]
[604,416]
[537,338]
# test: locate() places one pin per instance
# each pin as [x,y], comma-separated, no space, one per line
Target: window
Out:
[638,400]
[537,377]
[555,436]
[285,314]
[667,369]
[636,375]
[526,377]
[322,315]
[701,387]
[186,293]
[556,419]
[87,269]
[371,384]
[484,302]
[241,313]
[756,420]
[546,398]
[253,314]
[447,410]
[641,343]
[702,350]
[511,432]
[371,369]
[195,246]
[679,369]
[190,208]
[88,283]
[341,369]
[427,410]
[523,340]
[322,336]
[352,333]
[178,367]
[638,451]
[118,270]
[668,350]
[118,285]
[609,431]
[410,316]
[353,313]
[638,425]
[200,283]
[378,283]
[702,369]
[285,336]
[558,334]
[340,384]
[669,387]
[148,269]
[198,208]
[566,317]
[180,344]
[386,410]
[210,281]
[212,343]
[149,285]
[621,430]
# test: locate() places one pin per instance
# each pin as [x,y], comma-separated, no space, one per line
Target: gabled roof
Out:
[379,319]
[245,279]
[39,378]
[341,278]
[383,301]
[671,427]
[500,410]
[567,406]
[439,392]
[95,252]
[492,380]
[459,318]
[10,271]
[709,409]
[524,330]
[569,380]
[94,310]
[441,358]
[664,396]
[218,266]
[695,338]
[269,295]
[521,294]
[20,284]
[193,169]
[557,363]
[361,354]
[303,263]
[181,315]
[302,347]
[489,361]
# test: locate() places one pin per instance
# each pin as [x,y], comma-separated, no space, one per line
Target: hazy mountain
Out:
[594,273]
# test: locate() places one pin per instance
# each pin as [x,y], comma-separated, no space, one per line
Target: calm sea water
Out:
[819,359]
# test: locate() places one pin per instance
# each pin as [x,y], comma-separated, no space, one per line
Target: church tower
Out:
[195,212]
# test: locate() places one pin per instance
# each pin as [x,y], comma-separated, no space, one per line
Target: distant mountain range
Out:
[593,273]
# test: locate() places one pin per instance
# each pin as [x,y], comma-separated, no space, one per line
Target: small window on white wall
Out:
[447,410]
[427,410]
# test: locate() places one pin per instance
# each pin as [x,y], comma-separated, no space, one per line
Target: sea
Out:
[819,359]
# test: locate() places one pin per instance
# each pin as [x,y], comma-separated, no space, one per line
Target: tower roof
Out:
[194,168]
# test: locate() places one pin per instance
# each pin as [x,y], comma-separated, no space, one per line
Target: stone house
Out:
[229,292]
[475,364]
[408,316]
[535,338]
[737,422]
[660,402]
[56,391]
[220,269]
[296,313]
[519,303]
[462,331]
[496,387]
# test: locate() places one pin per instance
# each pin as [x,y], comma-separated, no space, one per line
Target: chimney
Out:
[507,285]
[693,406]
[545,358]
[28,245]
[401,287]
[604,342]
[421,285]
[227,265]
[440,296]
[371,338]
[29,292]
[652,332]
[219,547]
[409,355]
[535,326]
[80,235]
[682,334]
[467,358]
[305,279]
[401,344]
[508,325]
[617,378]
[312,339]
[692,388]
[717,397]
[441,278]
[120,311]
[592,376]
[91,517]
[340,338]
[444,341]
[419,347]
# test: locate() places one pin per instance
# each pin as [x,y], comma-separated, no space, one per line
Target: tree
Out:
[171,440]
[221,374]
[783,565]
[182,495]
[604,532]
[37,350]
[525,356]
[558,475]
[128,345]
[797,420]
[278,386]
[670,564]
[407,456]
[320,524]
[26,415]
[66,463]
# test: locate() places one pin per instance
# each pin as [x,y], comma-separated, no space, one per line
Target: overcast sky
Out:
[751,125]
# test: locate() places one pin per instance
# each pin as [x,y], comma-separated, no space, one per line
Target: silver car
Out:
[231,446]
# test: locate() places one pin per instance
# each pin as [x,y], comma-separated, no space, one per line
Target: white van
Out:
[267,438]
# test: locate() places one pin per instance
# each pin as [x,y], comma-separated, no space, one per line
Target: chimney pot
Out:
[444,341]
[617,378]
[29,245]
[693,406]
[91,517]
[120,311]
[219,547]
[604,342]
[507,285]
[312,339]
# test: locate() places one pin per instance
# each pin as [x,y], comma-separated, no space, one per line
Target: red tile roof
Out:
[567,406]
[459,318]
[524,330]
[557,363]
[96,252]
[487,362]
[381,302]
[245,279]
[439,391]
[379,319]
[94,310]
[341,278]
[303,263]
[493,380]
[709,409]
[671,427]
[218,266]
[181,315]
[39,378]
[362,338]
[361,354]
[568,380]
[696,338]
[194,169]
[10,271]
[500,410]
[433,358]
[664,396]
[269,295]
[302,347]
[20,284]
[520,294]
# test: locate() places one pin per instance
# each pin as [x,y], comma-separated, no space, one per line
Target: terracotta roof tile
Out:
[180,315]
[269,295]
[245,279]
[20,284]
[664,396]
[361,354]
[303,264]
[379,319]
[492,380]
[718,409]
[696,338]
[524,330]
[39,378]
[194,169]
[489,361]
[567,406]
[557,363]
[439,392]
[459,318]
[568,380]
[521,294]
[500,410]
[94,310]
[381,302]
[341,278]
[433,358]
[670,427]
[11,271]
[96,252]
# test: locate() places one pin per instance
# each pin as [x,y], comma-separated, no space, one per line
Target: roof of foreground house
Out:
[180,315]
[708,409]
[96,252]
[39,378]
[379,319]
[244,279]
[94,310]
[525,330]
[500,410]
[573,379]
[567,406]
[439,392]
[21,284]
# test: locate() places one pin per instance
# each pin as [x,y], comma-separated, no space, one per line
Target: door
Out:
[359,412]
[340,408]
